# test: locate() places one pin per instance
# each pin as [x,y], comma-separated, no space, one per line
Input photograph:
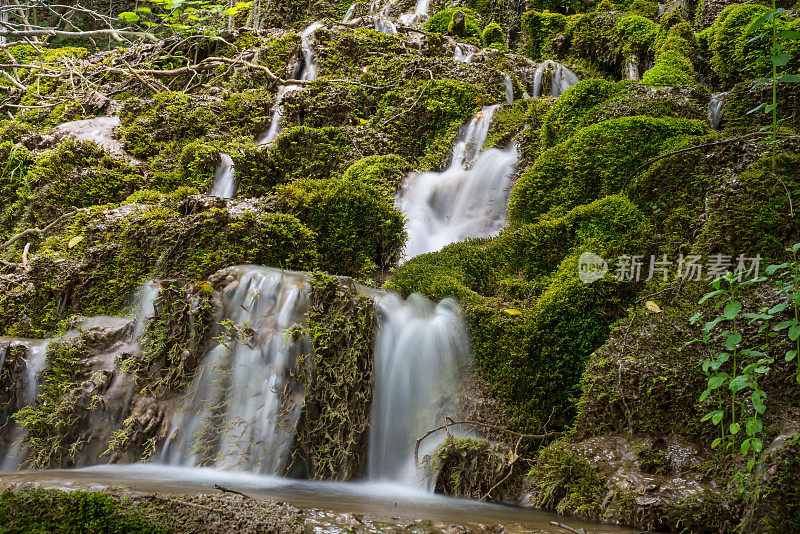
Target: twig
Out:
[568,528]
[186,503]
[450,422]
[37,231]
[223,489]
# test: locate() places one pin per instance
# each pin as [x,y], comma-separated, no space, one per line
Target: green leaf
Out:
[757,444]
[757,24]
[715,443]
[717,380]
[711,295]
[144,10]
[733,340]
[789,78]
[789,34]
[745,447]
[129,16]
[778,308]
[732,309]
[753,426]
[734,428]
[783,325]
[771,269]
[794,332]
[790,355]
[779,60]
[717,417]
[739,383]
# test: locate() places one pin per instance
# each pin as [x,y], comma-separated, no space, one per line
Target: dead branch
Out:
[490,426]
[38,231]
[568,528]
[117,35]
[223,489]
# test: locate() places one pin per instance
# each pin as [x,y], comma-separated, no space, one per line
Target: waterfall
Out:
[242,408]
[349,14]
[509,89]
[561,80]
[460,55]
[224,178]
[385,25]
[308,73]
[420,350]
[12,454]
[630,71]
[715,109]
[459,202]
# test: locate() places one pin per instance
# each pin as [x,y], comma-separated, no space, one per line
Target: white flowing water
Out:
[385,25]
[242,409]
[308,73]
[224,185]
[561,78]
[349,14]
[509,89]
[468,199]
[715,109]
[420,351]
[630,70]
[36,349]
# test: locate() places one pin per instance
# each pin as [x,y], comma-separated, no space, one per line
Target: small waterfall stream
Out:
[716,107]
[561,78]
[241,409]
[468,199]
[224,183]
[420,350]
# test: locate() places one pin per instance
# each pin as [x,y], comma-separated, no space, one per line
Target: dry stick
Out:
[223,489]
[187,503]
[568,528]
[510,470]
[696,147]
[490,426]
[38,231]
[117,35]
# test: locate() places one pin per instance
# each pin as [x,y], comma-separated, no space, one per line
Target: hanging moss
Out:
[494,37]
[592,163]
[442,22]
[538,29]
[358,228]
[331,441]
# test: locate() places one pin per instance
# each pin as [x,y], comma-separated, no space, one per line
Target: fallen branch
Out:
[223,489]
[568,528]
[187,503]
[490,426]
[117,35]
[38,231]
[698,147]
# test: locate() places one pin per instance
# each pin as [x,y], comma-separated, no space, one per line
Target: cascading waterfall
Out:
[561,78]
[385,25]
[509,89]
[308,73]
[349,14]
[630,70]
[460,202]
[224,178]
[716,107]
[242,409]
[420,351]
[12,454]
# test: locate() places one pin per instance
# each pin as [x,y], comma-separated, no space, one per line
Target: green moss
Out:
[538,29]
[493,36]
[337,377]
[42,511]
[442,22]
[591,164]
[358,228]
[673,66]
[566,483]
[384,173]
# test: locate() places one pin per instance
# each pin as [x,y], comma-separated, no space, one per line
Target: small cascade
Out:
[420,350]
[509,89]
[420,10]
[308,73]
[460,55]
[224,178]
[385,25]
[349,14]
[716,109]
[561,78]
[242,408]
[468,199]
[630,71]
[26,383]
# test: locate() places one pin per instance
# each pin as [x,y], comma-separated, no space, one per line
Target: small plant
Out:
[182,16]
[778,56]
[737,367]
[788,282]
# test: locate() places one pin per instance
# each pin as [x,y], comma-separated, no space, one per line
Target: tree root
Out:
[38,231]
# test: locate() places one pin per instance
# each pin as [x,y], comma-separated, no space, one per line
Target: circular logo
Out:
[591,267]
